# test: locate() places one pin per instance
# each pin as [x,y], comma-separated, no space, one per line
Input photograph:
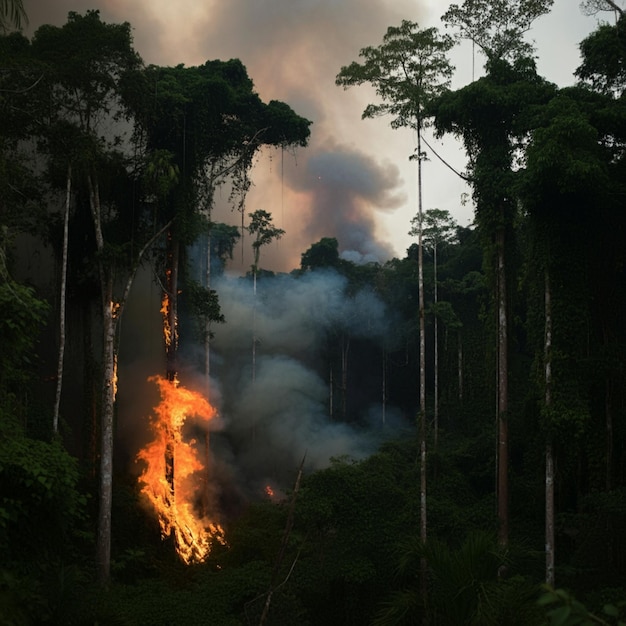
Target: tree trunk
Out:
[62,298]
[460,365]
[254,325]
[207,326]
[502,393]
[436,357]
[422,368]
[170,323]
[550,554]
[103,553]
[170,311]
[384,387]
[111,315]
[345,348]
[106,448]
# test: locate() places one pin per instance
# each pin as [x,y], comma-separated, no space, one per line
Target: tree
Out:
[86,91]
[591,7]
[567,173]
[603,65]
[437,228]
[489,115]
[497,27]
[264,233]
[324,253]
[408,70]
[212,122]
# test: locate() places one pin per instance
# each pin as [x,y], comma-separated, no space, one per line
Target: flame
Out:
[165,312]
[114,380]
[171,480]
[269,491]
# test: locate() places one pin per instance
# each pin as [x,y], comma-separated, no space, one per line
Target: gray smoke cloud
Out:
[280,412]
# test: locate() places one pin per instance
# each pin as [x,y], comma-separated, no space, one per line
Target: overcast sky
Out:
[354,181]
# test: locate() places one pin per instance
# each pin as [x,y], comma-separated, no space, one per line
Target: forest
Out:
[437,439]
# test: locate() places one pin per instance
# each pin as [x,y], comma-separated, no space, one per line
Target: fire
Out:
[269,491]
[171,479]
[169,333]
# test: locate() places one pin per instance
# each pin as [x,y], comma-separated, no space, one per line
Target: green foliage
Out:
[204,306]
[604,58]
[264,232]
[464,587]
[42,517]
[22,316]
[324,253]
[497,27]
[563,609]
[408,70]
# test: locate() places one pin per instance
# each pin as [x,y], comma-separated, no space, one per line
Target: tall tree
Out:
[438,228]
[408,70]
[264,232]
[212,122]
[572,178]
[85,61]
[488,115]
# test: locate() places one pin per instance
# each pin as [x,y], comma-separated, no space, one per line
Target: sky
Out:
[354,181]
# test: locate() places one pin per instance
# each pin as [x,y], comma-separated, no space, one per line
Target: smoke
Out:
[272,413]
[277,410]
[339,187]
[293,50]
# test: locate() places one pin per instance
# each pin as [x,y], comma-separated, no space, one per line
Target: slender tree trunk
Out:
[171,310]
[436,357]
[384,387]
[170,322]
[62,298]
[460,365]
[608,416]
[345,348]
[254,325]
[422,373]
[106,448]
[207,326]
[550,548]
[108,393]
[502,393]
[330,392]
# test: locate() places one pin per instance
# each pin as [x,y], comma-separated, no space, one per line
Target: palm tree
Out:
[466,586]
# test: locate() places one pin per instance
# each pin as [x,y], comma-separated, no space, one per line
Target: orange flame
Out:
[171,480]
[168,332]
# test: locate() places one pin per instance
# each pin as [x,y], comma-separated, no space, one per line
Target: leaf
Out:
[559,617]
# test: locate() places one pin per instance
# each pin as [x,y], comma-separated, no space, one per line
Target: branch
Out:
[137,263]
[463,176]
[20,91]
[283,547]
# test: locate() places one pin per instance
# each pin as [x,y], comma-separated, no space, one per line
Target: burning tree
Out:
[174,495]
[210,123]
